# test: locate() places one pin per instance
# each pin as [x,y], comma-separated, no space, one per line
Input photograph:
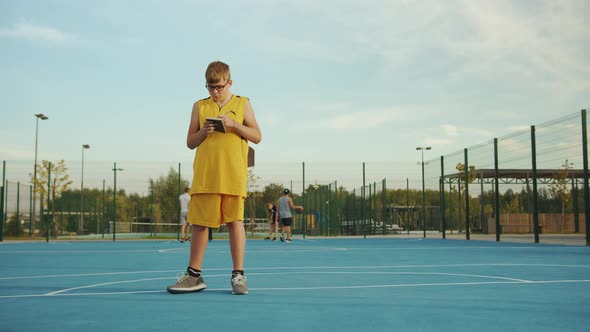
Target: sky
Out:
[349,81]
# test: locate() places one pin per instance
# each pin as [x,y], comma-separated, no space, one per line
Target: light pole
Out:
[42,117]
[423,207]
[81,227]
[115,169]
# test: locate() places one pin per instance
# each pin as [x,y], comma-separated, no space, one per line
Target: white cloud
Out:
[15,152]
[32,32]
[542,45]
[514,129]
[449,130]
[430,141]
[356,120]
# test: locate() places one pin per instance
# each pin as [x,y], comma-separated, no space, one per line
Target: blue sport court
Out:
[344,284]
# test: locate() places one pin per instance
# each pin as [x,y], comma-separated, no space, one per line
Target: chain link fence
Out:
[529,185]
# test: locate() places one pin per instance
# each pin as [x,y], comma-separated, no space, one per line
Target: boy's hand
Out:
[228,122]
[208,128]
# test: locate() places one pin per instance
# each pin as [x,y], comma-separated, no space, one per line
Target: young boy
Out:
[220,174]
[285,206]
[273,224]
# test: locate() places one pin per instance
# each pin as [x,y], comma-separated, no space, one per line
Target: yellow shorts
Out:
[211,210]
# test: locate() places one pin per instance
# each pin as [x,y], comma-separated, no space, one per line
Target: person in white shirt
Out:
[185,228]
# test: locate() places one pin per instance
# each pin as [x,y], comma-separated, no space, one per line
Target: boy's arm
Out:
[197,135]
[249,129]
[293,206]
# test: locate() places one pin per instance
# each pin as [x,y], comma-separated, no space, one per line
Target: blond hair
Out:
[216,72]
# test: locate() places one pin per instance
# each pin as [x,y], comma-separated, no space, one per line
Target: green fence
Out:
[531,184]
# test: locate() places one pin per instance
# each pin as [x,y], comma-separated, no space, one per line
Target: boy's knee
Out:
[200,228]
[235,224]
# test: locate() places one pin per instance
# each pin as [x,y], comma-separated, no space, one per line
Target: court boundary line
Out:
[305,267]
[505,280]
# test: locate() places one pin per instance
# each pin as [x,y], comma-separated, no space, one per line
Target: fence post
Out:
[466,171]
[17,219]
[535,192]
[304,201]
[30,210]
[5,186]
[496,191]
[1,213]
[383,204]
[408,205]
[586,189]
[179,210]
[442,197]
[48,201]
[363,204]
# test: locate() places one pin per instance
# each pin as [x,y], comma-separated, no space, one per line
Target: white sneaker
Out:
[187,284]
[238,285]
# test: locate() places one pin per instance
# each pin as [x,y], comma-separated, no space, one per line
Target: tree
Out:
[272,192]
[253,195]
[60,181]
[165,195]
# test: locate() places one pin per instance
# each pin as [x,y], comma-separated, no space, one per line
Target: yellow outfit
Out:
[220,168]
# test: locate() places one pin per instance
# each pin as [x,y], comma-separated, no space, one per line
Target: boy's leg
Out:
[198,246]
[192,281]
[237,243]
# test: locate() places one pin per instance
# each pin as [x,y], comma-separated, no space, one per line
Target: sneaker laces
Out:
[182,276]
[238,279]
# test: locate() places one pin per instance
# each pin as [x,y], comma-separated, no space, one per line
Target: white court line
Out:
[505,279]
[305,268]
[167,250]
[265,250]
[73,251]
[85,274]
[310,288]
[275,273]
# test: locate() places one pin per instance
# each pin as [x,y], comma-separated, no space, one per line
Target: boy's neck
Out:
[223,101]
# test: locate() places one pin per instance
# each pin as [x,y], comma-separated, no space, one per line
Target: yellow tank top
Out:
[221,160]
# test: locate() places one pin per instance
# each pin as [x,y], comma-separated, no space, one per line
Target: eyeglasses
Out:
[216,87]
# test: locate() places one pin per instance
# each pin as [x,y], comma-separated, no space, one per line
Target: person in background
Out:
[285,206]
[184,202]
[273,224]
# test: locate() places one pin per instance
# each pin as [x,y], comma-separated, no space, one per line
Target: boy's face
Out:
[220,90]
